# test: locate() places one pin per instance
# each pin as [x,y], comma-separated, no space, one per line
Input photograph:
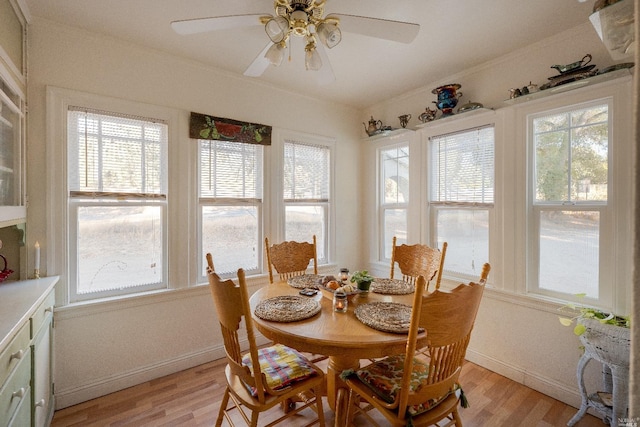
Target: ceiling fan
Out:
[301,18]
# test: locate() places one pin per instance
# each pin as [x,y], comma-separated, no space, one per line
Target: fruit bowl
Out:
[328,292]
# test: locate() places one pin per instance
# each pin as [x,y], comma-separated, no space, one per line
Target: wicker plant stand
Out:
[609,345]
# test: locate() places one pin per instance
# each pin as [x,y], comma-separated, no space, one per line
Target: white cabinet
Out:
[26,315]
[12,124]
[41,327]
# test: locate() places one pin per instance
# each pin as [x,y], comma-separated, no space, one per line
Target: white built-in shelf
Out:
[599,78]
[449,118]
[387,133]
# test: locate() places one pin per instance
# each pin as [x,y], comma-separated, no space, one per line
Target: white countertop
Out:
[18,300]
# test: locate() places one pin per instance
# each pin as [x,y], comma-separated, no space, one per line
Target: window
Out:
[569,194]
[117,182]
[393,187]
[306,183]
[461,197]
[230,201]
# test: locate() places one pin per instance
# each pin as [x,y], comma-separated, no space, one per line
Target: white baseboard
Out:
[534,380]
[122,380]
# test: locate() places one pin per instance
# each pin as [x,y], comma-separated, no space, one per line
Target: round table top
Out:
[331,333]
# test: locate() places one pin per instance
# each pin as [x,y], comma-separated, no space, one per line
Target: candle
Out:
[340,302]
[37,257]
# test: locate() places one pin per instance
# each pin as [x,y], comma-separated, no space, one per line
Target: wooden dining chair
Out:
[420,387]
[263,378]
[210,267]
[290,258]
[418,260]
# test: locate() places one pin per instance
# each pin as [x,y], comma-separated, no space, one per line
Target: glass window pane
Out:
[305,221]
[571,155]
[231,235]
[395,174]
[119,247]
[395,224]
[569,247]
[467,235]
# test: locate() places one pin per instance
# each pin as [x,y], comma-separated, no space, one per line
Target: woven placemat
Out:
[385,316]
[287,308]
[305,281]
[392,287]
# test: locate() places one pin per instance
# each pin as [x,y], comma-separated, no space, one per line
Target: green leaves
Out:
[584,312]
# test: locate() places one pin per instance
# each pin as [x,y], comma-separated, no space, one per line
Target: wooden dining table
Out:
[340,336]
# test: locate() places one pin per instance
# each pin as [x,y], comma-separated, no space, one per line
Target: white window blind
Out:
[306,172]
[116,153]
[462,167]
[230,170]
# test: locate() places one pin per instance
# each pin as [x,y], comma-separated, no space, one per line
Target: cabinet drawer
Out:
[22,417]
[41,313]
[15,390]
[14,353]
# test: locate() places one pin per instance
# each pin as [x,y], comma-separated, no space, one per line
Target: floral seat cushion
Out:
[384,378]
[281,365]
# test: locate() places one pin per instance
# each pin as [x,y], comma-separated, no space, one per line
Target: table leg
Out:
[336,388]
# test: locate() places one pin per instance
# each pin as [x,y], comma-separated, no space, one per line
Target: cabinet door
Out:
[42,396]
[41,327]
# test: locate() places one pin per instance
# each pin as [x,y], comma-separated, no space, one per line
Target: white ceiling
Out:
[454,35]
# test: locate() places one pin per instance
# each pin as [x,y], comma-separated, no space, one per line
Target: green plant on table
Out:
[361,277]
[585,312]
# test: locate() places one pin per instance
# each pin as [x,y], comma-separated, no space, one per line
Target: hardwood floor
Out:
[192,398]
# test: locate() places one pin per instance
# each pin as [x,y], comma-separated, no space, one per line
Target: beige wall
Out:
[517,336]
[106,347]
[109,346]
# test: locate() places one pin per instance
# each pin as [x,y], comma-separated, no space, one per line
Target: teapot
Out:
[404,119]
[374,126]
[574,65]
[428,115]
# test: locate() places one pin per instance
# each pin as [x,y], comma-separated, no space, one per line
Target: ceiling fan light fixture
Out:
[299,21]
[277,29]
[275,54]
[312,60]
[329,34]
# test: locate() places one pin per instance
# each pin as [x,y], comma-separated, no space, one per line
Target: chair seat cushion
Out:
[384,378]
[281,365]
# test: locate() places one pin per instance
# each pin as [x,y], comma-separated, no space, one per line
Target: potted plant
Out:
[363,279]
[585,315]
[605,337]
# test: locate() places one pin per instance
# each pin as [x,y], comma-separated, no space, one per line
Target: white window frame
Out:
[276,229]
[59,235]
[383,207]
[456,124]
[616,262]
[536,209]
[258,203]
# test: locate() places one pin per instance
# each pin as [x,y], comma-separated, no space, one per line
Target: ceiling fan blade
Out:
[403,32]
[260,64]
[203,25]
[325,74]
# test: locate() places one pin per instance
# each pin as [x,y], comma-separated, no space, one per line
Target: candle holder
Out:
[344,274]
[340,302]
